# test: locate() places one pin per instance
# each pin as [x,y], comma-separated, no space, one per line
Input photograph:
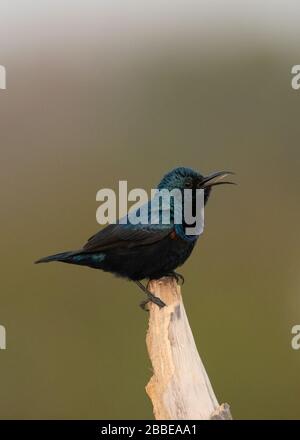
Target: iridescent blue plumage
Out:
[138,251]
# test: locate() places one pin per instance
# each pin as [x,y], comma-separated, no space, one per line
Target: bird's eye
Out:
[188,183]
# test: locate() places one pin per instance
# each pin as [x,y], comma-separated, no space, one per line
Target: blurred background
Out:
[99,91]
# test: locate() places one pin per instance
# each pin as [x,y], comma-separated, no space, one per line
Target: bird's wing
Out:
[124,234]
[120,235]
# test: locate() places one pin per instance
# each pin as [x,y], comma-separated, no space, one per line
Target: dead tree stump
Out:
[179,388]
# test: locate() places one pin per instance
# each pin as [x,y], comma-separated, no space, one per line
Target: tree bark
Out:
[179,388]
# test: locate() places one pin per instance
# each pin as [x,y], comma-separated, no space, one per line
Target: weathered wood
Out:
[179,388]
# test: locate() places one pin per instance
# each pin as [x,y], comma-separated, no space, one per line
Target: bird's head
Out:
[187,178]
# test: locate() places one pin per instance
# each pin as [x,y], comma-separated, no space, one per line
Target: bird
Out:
[146,251]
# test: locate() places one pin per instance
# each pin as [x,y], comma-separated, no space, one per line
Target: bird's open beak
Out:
[216,179]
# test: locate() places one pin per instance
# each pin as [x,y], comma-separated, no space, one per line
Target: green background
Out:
[75,119]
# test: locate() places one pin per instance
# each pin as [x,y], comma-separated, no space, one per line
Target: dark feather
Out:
[126,236]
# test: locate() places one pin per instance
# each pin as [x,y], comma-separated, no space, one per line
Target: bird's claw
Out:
[150,298]
[177,276]
[154,299]
[143,305]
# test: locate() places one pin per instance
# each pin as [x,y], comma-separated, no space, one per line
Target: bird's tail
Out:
[63,256]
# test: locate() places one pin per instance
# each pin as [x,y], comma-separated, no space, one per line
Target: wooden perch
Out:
[179,388]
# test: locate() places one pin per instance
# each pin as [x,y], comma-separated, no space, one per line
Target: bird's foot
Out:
[150,298]
[154,299]
[177,276]
[143,305]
